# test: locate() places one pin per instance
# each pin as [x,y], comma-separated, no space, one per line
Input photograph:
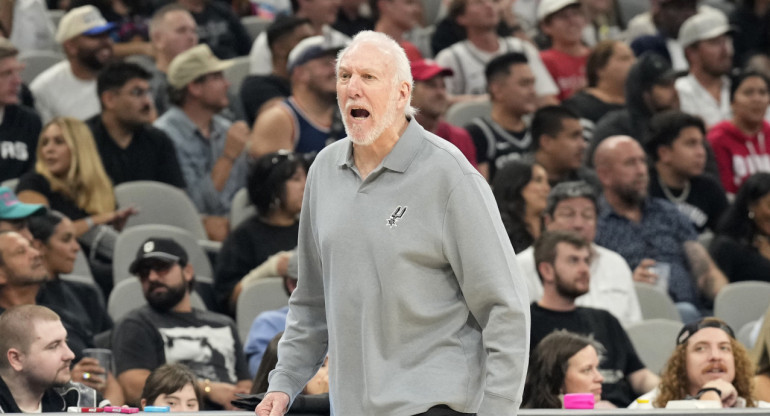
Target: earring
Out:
[751,215]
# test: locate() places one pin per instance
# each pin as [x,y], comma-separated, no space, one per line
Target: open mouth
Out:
[359,113]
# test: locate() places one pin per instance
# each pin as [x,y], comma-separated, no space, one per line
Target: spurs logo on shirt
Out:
[396,215]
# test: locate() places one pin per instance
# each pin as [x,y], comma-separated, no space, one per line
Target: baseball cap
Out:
[653,69]
[549,7]
[311,48]
[193,63]
[425,69]
[708,322]
[155,248]
[84,20]
[13,209]
[7,49]
[702,26]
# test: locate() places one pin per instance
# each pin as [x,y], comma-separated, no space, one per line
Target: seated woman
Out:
[172,385]
[276,185]
[69,177]
[319,384]
[741,247]
[521,189]
[740,144]
[708,364]
[562,363]
[80,306]
[760,356]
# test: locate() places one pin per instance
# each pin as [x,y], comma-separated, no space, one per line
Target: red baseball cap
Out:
[425,69]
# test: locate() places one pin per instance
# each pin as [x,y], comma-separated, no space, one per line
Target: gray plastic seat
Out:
[265,295]
[654,341]
[463,113]
[656,304]
[742,302]
[241,208]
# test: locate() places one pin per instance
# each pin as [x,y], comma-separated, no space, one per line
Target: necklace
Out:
[670,196]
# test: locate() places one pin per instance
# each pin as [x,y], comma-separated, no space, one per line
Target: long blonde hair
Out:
[86,182]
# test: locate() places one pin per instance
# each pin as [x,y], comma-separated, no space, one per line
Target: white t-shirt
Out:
[694,99]
[611,287]
[468,63]
[261,58]
[58,93]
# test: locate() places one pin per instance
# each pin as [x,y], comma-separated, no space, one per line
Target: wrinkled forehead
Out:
[366,55]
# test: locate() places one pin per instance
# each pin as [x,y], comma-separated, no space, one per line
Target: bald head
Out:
[621,165]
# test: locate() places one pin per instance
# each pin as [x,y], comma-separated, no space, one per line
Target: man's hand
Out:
[643,273]
[729,395]
[237,136]
[222,394]
[275,403]
[88,371]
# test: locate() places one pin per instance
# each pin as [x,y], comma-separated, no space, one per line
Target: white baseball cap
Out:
[549,7]
[193,63]
[704,25]
[84,20]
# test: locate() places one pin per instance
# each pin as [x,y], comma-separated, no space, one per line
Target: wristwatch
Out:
[705,390]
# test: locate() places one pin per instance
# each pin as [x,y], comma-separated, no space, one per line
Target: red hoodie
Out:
[739,156]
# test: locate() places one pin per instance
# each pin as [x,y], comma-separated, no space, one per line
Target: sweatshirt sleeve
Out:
[483,260]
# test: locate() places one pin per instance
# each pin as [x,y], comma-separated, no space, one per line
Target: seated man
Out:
[169,330]
[35,364]
[572,207]
[563,262]
[647,230]
[14,214]
[708,364]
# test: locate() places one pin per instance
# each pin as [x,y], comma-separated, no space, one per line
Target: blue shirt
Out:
[660,235]
[197,156]
[264,328]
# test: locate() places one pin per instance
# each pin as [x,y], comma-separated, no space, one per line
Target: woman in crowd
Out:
[606,72]
[172,385]
[319,384]
[521,189]
[276,185]
[69,177]
[741,145]
[562,363]
[80,305]
[741,247]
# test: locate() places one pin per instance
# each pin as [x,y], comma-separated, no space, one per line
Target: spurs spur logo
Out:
[395,216]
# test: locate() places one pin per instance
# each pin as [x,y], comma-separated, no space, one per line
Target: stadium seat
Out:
[654,340]
[264,295]
[742,302]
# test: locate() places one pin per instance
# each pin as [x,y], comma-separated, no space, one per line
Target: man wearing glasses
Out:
[169,330]
[131,149]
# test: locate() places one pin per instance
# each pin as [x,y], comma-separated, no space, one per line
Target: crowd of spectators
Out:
[628,137]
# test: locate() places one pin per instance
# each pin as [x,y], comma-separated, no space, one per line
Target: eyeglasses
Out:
[282,155]
[137,92]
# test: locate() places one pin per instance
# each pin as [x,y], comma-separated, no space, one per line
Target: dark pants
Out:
[443,410]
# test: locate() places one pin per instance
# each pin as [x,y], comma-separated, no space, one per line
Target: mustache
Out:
[156,285]
[717,366]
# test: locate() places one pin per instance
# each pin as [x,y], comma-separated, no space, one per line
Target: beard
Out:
[358,136]
[90,60]
[568,291]
[631,196]
[165,301]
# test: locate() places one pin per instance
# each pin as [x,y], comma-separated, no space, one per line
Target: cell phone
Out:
[156,409]
[74,409]
[118,409]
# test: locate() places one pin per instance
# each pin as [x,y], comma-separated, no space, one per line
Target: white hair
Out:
[390,47]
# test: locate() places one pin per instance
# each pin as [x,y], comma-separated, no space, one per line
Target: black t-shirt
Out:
[256,90]
[33,181]
[248,246]
[19,132]
[590,109]
[220,28]
[81,309]
[703,205]
[619,360]
[150,156]
[495,145]
[738,261]
[351,27]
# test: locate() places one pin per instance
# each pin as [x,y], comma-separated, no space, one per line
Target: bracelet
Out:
[705,390]
[89,222]
[207,386]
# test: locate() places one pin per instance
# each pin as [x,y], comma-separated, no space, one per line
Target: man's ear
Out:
[188,272]
[546,272]
[108,99]
[16,359]
[3,276]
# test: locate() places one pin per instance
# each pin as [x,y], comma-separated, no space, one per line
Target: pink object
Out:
[579,401]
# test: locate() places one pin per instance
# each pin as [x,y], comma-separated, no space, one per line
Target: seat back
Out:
[127,295]
[255,25]
[10,183]
[241,208]
[463,113]
[160,203]
[37,62]
[654,341]
[742,302]
[265,295]
[655,304]
[130,239]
